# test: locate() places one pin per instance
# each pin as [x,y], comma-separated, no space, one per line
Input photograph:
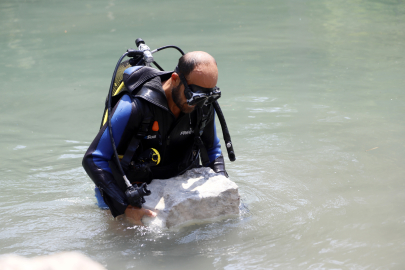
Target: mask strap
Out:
[187,90]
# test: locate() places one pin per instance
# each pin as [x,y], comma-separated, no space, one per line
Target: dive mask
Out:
[199,95]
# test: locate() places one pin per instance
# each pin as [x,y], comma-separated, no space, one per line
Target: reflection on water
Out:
[313,96]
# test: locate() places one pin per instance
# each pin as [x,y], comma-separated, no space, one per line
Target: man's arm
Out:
[212,143]
[100,152]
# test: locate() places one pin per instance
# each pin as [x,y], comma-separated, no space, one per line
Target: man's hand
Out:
[136,214]
[218,166]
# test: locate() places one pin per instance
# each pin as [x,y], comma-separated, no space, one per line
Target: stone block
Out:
[196,196]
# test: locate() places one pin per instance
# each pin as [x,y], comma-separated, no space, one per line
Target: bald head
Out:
[199,68]
[189,61]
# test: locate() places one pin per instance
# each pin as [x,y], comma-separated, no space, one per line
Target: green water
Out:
[313,93]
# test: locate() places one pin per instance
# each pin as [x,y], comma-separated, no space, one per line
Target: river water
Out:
[313,93]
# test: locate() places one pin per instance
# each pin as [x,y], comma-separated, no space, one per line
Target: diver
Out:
[162,125]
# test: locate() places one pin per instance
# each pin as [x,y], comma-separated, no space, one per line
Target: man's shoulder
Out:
[135,103]
[152,92]
[124,106]
[136,76]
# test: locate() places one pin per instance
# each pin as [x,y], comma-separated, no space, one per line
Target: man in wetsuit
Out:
[176,128]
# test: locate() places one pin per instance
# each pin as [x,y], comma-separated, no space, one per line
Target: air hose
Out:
[225,132]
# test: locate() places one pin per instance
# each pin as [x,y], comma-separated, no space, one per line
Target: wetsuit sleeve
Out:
[100,152]
[214,147]
[212,143]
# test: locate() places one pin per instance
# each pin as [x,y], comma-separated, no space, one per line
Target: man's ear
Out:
[175,79]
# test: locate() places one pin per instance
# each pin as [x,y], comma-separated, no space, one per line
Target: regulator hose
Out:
[225,131]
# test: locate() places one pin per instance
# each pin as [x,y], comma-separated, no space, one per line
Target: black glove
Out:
[218,166]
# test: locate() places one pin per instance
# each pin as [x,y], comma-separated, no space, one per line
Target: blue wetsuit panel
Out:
[100,201]
[215,151]
[132,69]
[119,120]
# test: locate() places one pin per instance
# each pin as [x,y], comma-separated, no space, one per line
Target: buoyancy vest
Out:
[177,140]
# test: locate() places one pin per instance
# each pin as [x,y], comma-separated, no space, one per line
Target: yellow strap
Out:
[105,117]
[116,92]
[119,89]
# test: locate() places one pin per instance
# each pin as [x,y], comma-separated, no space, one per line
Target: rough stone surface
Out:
[59,261]
[196,196]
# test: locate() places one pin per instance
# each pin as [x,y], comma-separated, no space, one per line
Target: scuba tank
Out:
[143,57]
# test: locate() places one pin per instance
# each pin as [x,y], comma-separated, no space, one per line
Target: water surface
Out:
[313,93]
